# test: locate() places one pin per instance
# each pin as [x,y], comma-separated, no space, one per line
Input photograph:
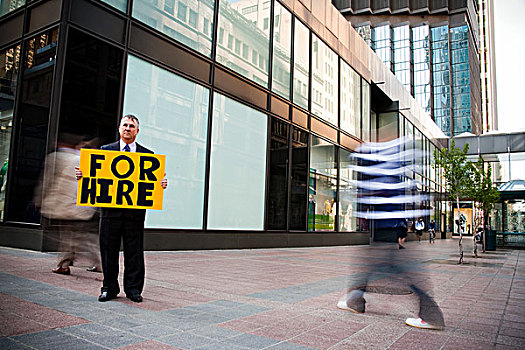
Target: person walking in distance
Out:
[432,231]
[125,224]
[420,226]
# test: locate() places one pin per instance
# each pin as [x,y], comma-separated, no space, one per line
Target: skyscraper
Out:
[432,47]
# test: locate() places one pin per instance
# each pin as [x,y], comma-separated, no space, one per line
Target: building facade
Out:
[257,105]
[433,48]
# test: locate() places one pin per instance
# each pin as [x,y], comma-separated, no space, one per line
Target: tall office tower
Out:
[432,47]
[488,65]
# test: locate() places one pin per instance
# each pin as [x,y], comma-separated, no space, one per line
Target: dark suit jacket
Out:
[131,214]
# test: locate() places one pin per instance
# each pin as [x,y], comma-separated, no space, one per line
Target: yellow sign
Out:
[113,179]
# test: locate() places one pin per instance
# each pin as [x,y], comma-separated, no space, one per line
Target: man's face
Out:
[128,130]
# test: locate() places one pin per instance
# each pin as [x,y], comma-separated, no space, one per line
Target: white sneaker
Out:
[343,305]
[419,323]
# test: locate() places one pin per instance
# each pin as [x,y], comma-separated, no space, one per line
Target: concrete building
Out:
[257,105]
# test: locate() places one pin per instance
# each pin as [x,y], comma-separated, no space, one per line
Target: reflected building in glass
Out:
[432,47]
[257,105]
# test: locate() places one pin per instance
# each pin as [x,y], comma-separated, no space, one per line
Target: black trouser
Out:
[132,233]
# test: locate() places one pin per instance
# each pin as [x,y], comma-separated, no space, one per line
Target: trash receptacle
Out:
[490,243]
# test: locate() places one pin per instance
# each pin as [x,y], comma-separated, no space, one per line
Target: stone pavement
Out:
[264,299]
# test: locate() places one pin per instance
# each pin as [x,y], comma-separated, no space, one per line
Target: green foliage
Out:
[456,170]
[482,190]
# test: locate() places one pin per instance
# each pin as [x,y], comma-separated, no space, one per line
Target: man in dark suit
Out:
[128,224]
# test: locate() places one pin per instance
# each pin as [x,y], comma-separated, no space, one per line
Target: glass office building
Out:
[434,53]
[256,104]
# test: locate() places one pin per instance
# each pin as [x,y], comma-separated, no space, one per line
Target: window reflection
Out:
[173,115]
[244,44]
[402,55]
[299,180]
[282,41]
[87,96]
[350,100]
[382,42]
[348,205]
[118,4]
[7,6]
[441,78]
[237,166]
[189,22]
[322,207]
[301,64]
[365,114]
[278,176]
[9,66]
[324,81]
[459,52]
[421,54]
[33,112]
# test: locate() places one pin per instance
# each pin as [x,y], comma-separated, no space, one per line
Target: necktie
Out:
[126,148]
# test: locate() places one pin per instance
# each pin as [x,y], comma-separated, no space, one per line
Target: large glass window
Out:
[278,176]
[323,186]
[301,69]
[33,114]
[238,166]
[382,42]
[118,4]
[7,6]
[282,50]
[459,52]
[173,115]
[402,55]
[90,102]
[421,54]
[350,100]
[441,78]
[9,67]
[299,180]
[387,126]
[365,114]
[348,194]
[184,24]
[244,22]
[325,73]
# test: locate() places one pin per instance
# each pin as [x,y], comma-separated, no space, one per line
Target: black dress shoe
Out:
[106,296]
[135,297]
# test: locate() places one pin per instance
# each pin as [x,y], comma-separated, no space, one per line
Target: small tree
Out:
[483,193]
[456,172]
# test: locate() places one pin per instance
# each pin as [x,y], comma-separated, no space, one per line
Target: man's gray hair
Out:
[132,117]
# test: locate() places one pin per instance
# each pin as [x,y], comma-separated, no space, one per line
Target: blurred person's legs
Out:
[391,264]
[430,315]
[67,246]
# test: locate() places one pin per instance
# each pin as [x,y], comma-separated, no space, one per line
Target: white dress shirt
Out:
[132,146]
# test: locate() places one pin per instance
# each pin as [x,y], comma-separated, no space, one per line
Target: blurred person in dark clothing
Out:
[388,198]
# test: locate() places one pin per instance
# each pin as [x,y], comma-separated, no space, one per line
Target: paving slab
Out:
[276,299]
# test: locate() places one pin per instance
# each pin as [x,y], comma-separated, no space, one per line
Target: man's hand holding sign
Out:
[122,178]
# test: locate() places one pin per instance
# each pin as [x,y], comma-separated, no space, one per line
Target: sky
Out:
[509,29]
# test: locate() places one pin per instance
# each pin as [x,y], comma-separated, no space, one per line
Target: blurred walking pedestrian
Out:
[387,198]
[56,198]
